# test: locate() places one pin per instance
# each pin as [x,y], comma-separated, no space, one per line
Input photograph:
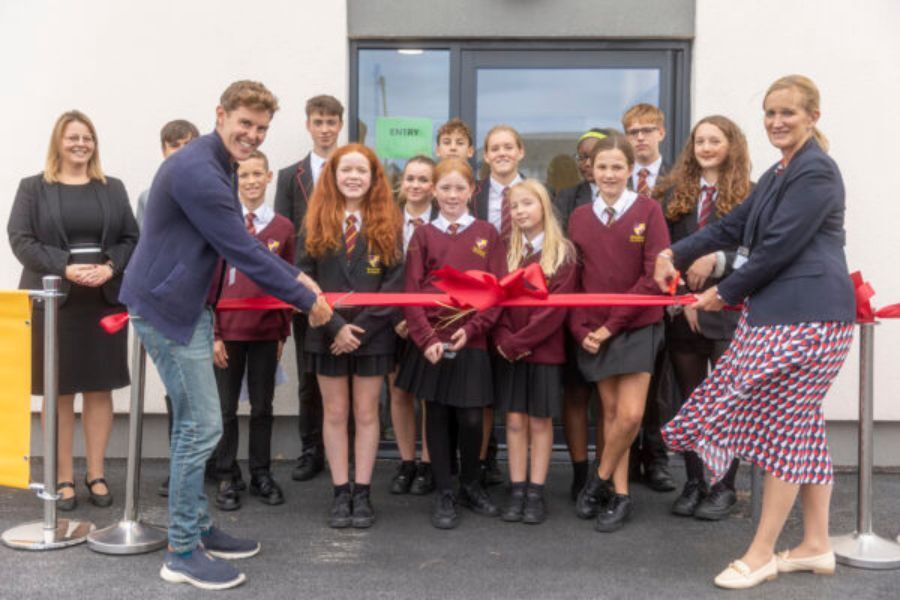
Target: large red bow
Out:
[865,313]
[481,290]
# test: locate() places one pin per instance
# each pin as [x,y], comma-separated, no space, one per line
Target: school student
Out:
[419,208]
[449,366]
[530,345]
[503,151]
[455,140]
[645,127]
[251,342]
[352,242]
[293,191]
[710,178]
[617,238]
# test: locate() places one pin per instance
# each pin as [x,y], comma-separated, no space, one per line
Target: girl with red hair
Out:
[352,241]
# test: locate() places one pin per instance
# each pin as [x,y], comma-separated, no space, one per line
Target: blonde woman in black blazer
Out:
[74,222]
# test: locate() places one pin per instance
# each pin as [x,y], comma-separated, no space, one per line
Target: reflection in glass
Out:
[551,108]
[401,83]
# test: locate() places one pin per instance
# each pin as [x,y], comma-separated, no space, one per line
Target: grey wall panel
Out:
[671,19]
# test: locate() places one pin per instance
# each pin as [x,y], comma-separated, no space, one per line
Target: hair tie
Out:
[593,134]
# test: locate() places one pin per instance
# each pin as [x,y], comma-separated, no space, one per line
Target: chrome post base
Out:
[127,537]
[866,551]
[33,536]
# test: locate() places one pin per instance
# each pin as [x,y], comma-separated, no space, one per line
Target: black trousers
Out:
[308,394]
[260,360]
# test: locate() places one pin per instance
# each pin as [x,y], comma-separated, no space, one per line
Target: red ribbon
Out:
[865,313]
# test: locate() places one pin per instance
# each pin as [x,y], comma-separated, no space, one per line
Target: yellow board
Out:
[15,388]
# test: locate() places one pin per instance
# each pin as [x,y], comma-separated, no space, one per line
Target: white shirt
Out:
[409,229]
[464,221]
[316,162]
[263,216]
[495,201]
[652,173]
[537,243]
[358,216]
[622,204]
[594,189]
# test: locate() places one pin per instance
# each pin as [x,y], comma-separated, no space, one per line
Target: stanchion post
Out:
[756,493]
[50,533]
[130,535]
[863,548]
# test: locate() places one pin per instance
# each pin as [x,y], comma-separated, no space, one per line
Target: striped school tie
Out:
[643,187]
[610,215]
[708,192]
[250,217]
[505,219]
[417,222]
[350,235]
[528,250]
[453,228]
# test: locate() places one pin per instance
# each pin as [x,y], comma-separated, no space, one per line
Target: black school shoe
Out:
[615,512]
[474,497]
[535,510]
[403,478]
[514,509]
[266,489]
[490,472]
[341,514]
[363,513]
[658,479]
[227,496]
[593,496]
[692,494]
[423,483]
[717,504]
[444,514]
[310,464]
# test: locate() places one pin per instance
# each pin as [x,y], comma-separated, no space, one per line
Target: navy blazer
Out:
[793,225]
[193,217]
[567,200]
[39,240]
[481,196]
[293,189]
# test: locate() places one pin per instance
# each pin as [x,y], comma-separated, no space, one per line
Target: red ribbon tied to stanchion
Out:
[865,313]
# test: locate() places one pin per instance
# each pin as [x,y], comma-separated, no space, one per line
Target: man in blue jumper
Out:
[193,217]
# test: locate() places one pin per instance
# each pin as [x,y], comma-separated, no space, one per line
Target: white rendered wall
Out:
[852,52]
[133,66]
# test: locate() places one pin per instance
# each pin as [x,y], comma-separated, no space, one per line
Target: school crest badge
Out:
[374,262]
[273,245]
[480,247]
[637,233]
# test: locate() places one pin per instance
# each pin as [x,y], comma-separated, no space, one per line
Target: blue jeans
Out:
[187,372]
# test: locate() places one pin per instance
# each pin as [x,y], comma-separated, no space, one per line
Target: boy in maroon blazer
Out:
[251,342]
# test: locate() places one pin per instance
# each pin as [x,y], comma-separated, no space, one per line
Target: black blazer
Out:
[569,199]
[481,196]
[362,273]
[713,325]
[793,225]
[39,241]
[293,189]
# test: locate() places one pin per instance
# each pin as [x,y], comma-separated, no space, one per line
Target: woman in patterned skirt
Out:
[763,401]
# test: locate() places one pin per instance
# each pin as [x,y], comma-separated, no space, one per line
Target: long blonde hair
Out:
[53,164]
[556,250]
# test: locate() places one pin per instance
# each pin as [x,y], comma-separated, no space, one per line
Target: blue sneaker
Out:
[200,570]
[221,545]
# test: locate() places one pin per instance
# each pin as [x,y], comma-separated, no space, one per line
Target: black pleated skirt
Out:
[90,360]
[329,365]
[530,388]
[464,381]
[630,351]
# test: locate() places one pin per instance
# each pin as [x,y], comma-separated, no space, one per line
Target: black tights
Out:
[439,420]
[691,368]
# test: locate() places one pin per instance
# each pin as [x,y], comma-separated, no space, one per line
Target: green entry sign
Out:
[402,137]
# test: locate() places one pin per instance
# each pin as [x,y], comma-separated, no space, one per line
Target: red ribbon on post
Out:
[865,313]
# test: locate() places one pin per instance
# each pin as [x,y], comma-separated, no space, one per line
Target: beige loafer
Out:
[738,575]
[823,564]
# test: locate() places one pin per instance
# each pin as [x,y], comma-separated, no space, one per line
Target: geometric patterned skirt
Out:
[763,402]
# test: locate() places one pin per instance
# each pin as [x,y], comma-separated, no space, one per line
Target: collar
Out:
[425,216]
[263,212]
[497,187]
[653,167]
[316,161]
[705,183]
[220,152]
[464,221]
[537,243]
[622,204]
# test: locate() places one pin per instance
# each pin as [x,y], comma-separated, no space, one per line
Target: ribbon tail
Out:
[114,323]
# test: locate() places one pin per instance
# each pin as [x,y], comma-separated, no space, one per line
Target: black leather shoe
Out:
[693,493]
[66,504]
[579,478]
[535,510]
[474,497]
[490,472]
[363,513]
[265,487]
[341,515]
[717,504]
[403,479]
[101,500]
[163,489]
[658,479]
[512,512]
[308,466]
[227,497]
[423,483]
[614,514]
[592,496]
[444,514]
